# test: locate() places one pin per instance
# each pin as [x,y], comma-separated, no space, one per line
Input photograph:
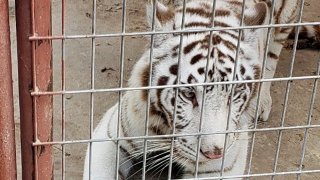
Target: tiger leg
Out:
[265,103]
[311,33]
[273,54]
[102,157]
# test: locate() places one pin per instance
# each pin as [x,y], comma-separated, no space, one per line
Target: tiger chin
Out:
[200,57]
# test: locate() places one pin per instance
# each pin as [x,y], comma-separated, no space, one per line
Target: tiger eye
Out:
[189,94]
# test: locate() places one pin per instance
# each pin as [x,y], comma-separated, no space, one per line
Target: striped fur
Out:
[204,57]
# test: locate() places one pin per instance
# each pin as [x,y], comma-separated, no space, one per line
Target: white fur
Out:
[103,154]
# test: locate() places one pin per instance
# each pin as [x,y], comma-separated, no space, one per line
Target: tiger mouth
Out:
[202,159]
[212,156]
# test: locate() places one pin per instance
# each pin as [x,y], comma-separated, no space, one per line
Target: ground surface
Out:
[78,77]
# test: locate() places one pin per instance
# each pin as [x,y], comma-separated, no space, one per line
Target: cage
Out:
[75,59]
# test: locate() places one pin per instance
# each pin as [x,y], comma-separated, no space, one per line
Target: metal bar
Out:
[23,25]
[265,57]
[93,56]
[288,88]
[7,137]
[63,88]
[204,91]
[232,88]
[123,28]
[56,37]
[44,143]
[259,175]
[41,93]
[145,142]
[176,91]
[305,137]
[42,79]
[30,22]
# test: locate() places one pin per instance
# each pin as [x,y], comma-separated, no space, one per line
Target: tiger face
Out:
[216,99]
[195,58]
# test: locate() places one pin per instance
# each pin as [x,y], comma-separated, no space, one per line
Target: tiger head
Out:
[197,58]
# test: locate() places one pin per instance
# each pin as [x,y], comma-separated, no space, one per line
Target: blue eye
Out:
[191,96]
[188,94]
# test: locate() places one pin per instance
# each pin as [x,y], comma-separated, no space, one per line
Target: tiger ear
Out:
[163,14]
[256,15]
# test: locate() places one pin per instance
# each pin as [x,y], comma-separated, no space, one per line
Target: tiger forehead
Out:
[194,57]
[208,10]
[205,11]
[196,48]
[218,49]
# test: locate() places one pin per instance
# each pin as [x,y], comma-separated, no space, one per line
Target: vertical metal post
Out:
[23,23]
[35,74]
[7,138]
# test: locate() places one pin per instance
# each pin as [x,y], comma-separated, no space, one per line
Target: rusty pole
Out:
[35,73]
[7,137]
[23,25]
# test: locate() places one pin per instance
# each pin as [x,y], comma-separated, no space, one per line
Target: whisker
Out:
[164,165]
[142,147]
[156,163]
[122,163]
[181,166]
[163,168]
[133,156]
[161,165]
[148,164]
[151,165]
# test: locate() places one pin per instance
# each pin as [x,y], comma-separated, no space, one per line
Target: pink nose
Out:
[215,154]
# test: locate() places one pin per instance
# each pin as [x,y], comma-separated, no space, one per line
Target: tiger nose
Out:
[216,153]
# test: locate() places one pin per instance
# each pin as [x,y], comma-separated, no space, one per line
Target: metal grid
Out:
[37,92]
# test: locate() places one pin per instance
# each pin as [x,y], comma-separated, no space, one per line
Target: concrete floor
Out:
[78,77]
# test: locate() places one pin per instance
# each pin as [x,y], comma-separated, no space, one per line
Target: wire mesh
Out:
[121,89]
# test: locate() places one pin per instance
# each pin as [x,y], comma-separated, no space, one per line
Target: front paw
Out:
[265,108]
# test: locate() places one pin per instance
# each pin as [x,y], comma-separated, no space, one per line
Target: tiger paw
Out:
[265,108]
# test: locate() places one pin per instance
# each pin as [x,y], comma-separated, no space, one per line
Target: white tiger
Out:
[218,98]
